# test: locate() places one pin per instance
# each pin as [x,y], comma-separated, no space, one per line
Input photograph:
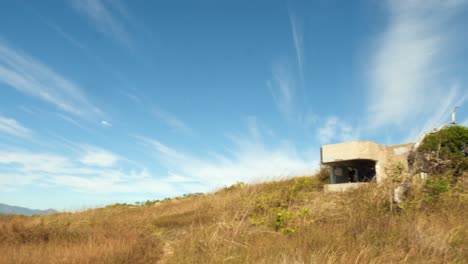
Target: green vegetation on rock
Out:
[444,152]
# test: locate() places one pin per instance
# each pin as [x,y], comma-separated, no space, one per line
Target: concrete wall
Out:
[343,186]
[344,153]
[351,151]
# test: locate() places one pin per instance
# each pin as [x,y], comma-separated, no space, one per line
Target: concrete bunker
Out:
[361,170]
[359,162]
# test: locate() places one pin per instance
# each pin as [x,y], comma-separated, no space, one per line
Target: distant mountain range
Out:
[16,210]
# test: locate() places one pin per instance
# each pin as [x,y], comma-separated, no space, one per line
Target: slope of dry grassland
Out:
[288,221]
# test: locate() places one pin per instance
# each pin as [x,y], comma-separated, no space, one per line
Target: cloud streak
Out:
[298,38]
[283,89]
[99,157]
[25,162]
[31,77]
[335,130]
[167,118]
[108,18]
[14,128]
[248,159]
[96,171]
[106,123]
[170,120]
[409,71]
[287,84]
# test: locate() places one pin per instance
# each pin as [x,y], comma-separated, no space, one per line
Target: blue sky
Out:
[121,101]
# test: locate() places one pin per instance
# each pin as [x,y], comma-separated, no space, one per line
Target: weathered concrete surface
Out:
[345,154]
[341,187]
[351,151]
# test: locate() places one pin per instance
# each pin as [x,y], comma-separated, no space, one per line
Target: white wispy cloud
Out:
[170,119]
[167,118]
[441,114]
[96,171]
[283,89]
[10,182]
[55,27]
[107,16]
[76,42]
[248,159]
[99,157]
[335,130]
[106,123]
[32,77]
[27,162]
[287,85]
[135,98]
[289,98]
[409,70]
[72,121]
[298,39]
[115,181]
[14,128]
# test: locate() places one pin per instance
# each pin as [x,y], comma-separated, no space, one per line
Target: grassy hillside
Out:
[288,221]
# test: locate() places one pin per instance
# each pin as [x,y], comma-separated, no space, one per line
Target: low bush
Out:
[443,152]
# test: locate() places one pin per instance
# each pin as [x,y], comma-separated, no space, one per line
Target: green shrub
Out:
[434,187]
[444,151]
[396,172]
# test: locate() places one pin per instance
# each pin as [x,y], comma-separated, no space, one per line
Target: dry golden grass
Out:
[108,235]
[288,221]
